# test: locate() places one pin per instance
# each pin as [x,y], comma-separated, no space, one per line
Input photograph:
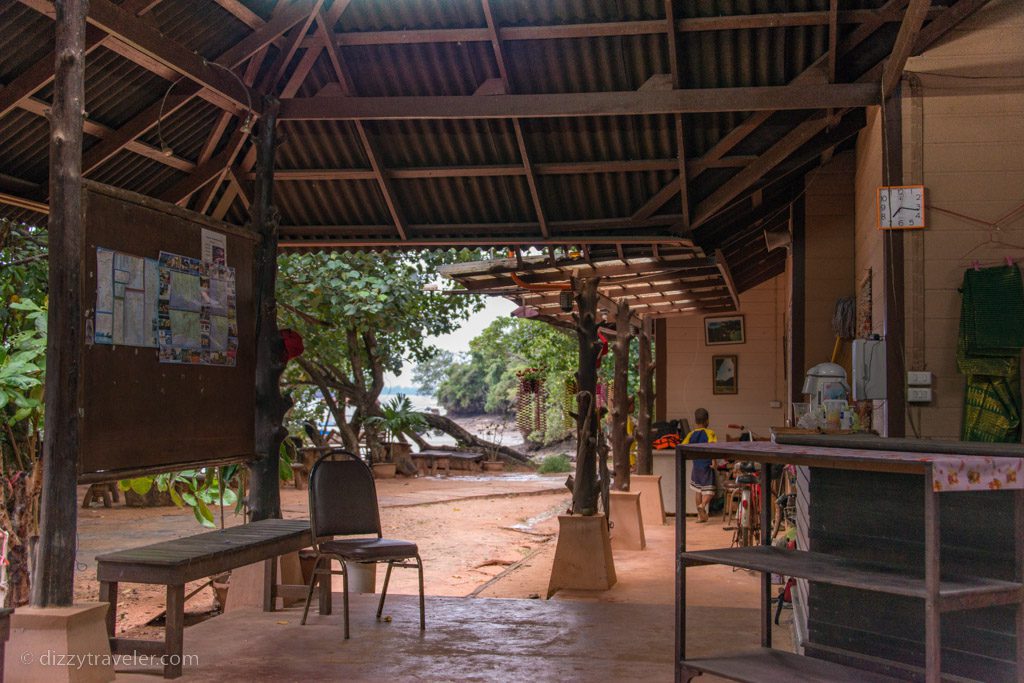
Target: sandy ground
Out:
[479,536]
[469,529]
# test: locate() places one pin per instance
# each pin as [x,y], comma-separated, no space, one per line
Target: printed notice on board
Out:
[215,247]
[125,299]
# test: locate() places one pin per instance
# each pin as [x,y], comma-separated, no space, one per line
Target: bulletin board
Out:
[143,410]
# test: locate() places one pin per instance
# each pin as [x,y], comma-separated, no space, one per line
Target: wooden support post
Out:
[264,492]
[797,301]
[53,578]
[765,533]
[645,400]
[892,260]
[660,369]
[585,488]
[621,441]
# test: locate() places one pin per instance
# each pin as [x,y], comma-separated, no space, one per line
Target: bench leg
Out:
[269,584]
[108,594]
[174,634]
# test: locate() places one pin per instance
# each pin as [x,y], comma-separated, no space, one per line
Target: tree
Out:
[430,372]
[23,287]
[361,315]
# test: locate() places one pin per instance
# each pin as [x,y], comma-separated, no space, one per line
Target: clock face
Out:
[901,207]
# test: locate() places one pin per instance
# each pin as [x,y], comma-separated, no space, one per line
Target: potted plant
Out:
[495,433]
[397,419]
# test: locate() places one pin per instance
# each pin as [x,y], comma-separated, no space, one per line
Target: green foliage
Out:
[429,373]
[22,383]
[196,489]
[485,380]
[398,418]
[362,291]
[364,314]
[23,273]
[554,464]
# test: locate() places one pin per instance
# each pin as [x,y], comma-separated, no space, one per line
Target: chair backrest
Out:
[342,497]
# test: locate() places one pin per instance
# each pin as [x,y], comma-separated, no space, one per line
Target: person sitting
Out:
[702,476]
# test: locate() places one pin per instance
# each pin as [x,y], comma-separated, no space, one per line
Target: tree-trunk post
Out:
[264,489]
[645,400]
[585,488]
[54,572]
[620,440]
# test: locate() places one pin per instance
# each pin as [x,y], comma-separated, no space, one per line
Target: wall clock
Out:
[900,207]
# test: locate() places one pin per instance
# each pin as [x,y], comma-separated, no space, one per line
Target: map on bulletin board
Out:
[197,320]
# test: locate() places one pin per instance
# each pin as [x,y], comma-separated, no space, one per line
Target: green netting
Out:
[992,315]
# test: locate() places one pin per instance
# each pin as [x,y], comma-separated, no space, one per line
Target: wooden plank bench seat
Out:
[175,563]
[434,460]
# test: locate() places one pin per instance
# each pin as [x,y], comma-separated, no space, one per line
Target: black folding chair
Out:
[343,502]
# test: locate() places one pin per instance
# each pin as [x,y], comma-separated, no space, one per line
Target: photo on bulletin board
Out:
[724,330]
[725,374]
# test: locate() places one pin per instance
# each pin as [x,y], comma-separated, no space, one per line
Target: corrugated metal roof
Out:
[451,205]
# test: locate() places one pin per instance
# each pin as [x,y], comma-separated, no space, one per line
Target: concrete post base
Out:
[627,531]
[651,502]
[583,556]
[59,645]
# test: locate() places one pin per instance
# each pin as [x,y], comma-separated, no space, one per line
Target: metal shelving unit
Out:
[939,593]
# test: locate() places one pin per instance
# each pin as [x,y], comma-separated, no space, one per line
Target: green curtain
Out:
[988,352]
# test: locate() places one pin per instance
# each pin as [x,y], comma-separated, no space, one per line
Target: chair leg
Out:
[344,596]
[312,583]
[423,618]
[384,590]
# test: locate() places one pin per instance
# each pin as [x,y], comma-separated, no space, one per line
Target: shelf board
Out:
[954,593]
[767,666]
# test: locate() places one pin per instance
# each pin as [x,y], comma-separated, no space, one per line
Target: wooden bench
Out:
[175,563]
[435,460]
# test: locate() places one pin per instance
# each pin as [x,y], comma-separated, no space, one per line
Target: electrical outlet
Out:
[919,379]
[919,394]
[775,404]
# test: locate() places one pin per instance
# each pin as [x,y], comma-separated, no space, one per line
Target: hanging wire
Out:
[246,127]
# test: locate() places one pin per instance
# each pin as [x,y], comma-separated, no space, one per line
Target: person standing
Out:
[702,475]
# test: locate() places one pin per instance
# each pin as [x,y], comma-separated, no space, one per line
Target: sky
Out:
[458,341]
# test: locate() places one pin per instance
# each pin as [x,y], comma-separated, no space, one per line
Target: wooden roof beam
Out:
[24,203]
[723,267]
[949,18]
[287,241]
[771,158]
[39,74]
[524,156]
[184,93]
[384,182]
[680,131]
[608,28]
[554,105]
[913,20]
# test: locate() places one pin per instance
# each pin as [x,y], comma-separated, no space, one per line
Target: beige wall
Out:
[760,364]
[964,140]
[828,253]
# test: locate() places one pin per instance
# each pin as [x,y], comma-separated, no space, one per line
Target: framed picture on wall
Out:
[724,330]
[725,374]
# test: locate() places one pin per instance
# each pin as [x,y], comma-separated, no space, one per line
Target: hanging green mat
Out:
[988,352]
[992,314]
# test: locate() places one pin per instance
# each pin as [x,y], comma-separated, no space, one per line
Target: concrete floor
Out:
[624,634]
[465,640]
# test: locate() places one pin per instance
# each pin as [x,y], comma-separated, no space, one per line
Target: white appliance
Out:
[826,382]
[869,370]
